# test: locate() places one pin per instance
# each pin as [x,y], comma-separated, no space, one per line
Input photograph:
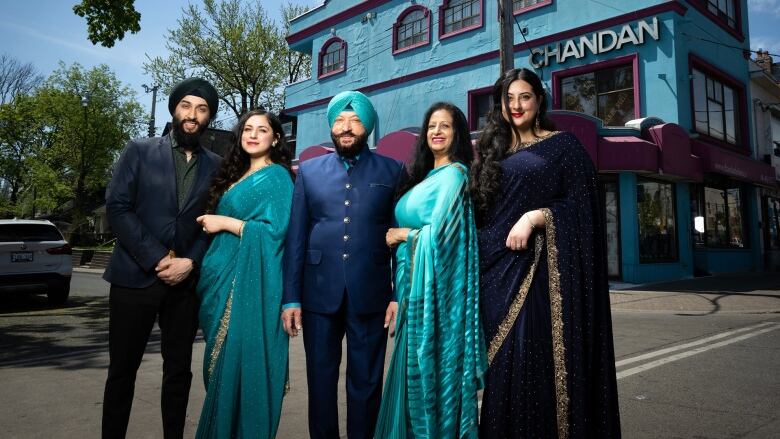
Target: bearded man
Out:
[159,186]
[337,269]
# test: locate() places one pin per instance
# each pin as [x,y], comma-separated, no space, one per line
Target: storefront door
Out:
[611,213]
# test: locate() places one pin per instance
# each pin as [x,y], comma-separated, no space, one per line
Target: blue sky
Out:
[44,32]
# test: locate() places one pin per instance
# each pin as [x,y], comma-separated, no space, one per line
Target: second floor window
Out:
[606,93]
[462,14]
[521,4]
[715,108]
[413,29]
[724,9]
[333,57]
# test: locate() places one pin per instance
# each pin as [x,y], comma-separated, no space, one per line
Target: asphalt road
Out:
[691,364]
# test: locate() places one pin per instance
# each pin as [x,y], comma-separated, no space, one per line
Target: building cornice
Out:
[670,6]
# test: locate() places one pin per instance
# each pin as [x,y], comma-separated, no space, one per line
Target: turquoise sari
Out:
[240,287]
[439,358]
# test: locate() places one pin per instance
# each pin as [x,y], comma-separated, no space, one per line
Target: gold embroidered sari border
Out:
[219,340]
[506,325]
[556,311]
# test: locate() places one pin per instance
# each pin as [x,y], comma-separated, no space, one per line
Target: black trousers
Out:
[132,314]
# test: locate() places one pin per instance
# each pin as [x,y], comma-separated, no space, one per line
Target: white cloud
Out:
[771,6]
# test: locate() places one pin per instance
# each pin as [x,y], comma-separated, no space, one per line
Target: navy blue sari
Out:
[545,310]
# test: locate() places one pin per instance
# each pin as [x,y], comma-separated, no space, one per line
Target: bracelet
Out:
[529,220]
[241,229]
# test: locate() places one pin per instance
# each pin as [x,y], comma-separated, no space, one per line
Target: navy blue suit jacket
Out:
[336,236]
[143,211]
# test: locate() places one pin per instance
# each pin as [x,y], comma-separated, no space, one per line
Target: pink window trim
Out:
[480,23]
[701,6]
[743,145]
[633,59]
[397,24]
[532,7]
[321,55]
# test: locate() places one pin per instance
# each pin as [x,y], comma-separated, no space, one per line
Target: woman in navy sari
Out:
[544,293]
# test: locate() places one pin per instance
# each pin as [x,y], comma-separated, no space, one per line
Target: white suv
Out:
[34,257]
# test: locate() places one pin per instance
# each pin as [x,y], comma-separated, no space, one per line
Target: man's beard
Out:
[357,147]
[184,139]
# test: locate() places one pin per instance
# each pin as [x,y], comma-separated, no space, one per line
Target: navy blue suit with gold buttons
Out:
[337,266]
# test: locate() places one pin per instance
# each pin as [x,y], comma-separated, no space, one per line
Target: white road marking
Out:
[770,326]
[669,350]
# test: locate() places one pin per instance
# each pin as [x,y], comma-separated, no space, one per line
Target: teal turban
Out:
[353,101]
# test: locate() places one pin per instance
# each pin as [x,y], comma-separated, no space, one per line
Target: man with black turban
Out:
[337,268]
[158,187]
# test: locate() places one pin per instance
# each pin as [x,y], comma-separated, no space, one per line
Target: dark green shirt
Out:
[185,171]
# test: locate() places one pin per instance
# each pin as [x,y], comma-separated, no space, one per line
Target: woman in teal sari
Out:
[439,357]
[240,286]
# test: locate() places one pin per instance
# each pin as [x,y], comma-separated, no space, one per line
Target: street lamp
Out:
[153,89]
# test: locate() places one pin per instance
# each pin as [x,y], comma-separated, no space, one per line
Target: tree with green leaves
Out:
[108,20]
[234,45]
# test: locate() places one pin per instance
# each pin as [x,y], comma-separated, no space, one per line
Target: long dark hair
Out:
[236,161]
[460,149]
[496,139]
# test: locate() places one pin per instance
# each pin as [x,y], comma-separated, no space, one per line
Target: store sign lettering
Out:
[598,42]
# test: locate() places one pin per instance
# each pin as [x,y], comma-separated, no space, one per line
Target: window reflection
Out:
[657,230]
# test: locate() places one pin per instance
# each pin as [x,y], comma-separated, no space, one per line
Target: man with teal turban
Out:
[337,268]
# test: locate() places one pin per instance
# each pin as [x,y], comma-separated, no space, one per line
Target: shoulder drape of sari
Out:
[574,345]
[245,360]
[439,357]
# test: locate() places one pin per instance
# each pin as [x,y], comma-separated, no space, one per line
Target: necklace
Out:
[247,175]
[523,145]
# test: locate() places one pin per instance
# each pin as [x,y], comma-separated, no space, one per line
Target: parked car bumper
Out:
[31,282]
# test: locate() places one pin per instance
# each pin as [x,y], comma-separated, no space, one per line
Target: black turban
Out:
[194,87]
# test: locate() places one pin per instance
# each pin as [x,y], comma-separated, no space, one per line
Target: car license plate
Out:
[22,257]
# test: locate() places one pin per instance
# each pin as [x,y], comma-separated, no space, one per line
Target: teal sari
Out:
[240,287]
[439,358]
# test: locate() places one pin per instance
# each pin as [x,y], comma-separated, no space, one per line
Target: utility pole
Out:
[506,51]
[153,89]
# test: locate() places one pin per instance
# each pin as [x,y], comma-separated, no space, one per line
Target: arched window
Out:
[333,57]
[456,16]
[412,29]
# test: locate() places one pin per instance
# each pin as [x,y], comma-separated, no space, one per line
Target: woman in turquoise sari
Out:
[439,357]
[240,286]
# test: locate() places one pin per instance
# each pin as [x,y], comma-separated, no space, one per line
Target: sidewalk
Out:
[749,292]
[746,292]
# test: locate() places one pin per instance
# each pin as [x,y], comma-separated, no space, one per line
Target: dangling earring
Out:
[537,126]
[273,145]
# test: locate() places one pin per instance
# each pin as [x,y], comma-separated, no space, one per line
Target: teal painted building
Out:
[657,91]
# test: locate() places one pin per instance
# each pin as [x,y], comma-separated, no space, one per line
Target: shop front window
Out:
[657,225]
[717,214]
[481,104]
[607,94]
[773,223]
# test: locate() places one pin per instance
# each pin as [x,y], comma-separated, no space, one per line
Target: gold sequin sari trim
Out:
[517,303]
[219,340]
[556,311]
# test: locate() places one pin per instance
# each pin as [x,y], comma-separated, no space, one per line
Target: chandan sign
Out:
[596,43]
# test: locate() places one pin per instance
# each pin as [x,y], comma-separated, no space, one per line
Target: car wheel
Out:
[59,296]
